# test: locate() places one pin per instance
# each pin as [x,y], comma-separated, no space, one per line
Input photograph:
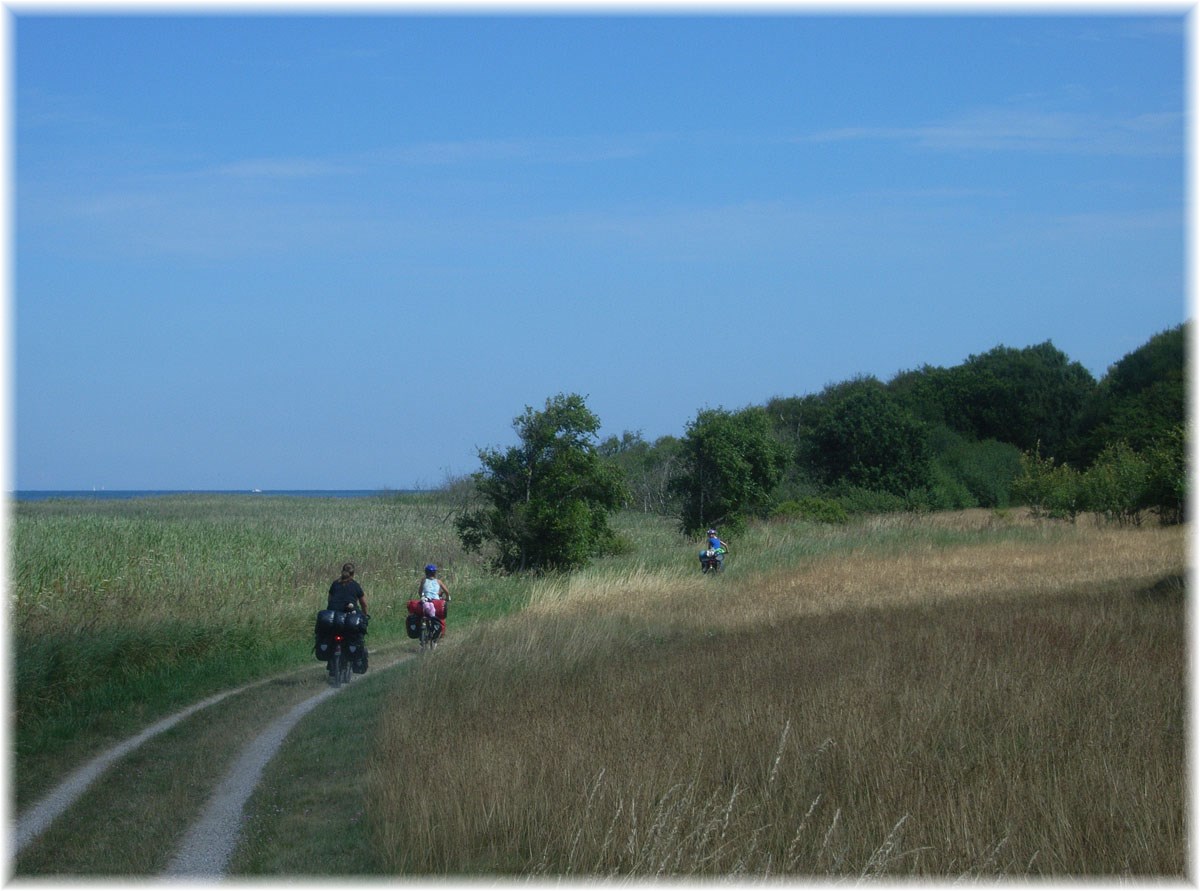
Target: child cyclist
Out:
[431,590]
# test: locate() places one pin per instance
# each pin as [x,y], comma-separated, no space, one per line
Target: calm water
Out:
[110,494]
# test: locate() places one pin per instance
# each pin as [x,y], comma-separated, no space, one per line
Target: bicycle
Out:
[431,631]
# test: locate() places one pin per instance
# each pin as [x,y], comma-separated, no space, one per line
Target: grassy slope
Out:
[931,696]
[936,696]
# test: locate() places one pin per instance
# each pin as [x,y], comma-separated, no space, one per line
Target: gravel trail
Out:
[38,818]
[208,845]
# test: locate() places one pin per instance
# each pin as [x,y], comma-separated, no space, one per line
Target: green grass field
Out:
[122,611]
[946,696]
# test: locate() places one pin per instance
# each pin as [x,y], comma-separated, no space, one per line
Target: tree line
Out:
[1008,427]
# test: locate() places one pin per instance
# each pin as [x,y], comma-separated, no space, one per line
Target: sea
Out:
[121,494]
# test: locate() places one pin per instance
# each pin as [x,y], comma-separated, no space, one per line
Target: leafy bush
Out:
[1116,484]
[818,510]
[985,469]
[946,491]
[857,500]
[1166,484]
[1048,488]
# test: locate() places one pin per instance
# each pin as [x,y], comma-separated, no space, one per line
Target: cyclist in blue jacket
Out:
[715,545]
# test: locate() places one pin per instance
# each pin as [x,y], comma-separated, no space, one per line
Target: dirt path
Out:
[38,818]
[211,839]
[209,844]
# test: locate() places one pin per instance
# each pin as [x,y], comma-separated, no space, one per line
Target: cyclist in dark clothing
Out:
[346,593]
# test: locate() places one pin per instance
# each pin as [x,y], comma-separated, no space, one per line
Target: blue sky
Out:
[306,251]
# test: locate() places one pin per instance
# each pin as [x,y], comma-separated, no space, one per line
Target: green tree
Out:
[1031,397]
[548,499]
[927,393]
[730,463]
[1140,399]
[862,437]
[1166,485]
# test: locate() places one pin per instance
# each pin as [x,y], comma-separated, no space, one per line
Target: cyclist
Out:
[716,546]
[345,593]
[432,588]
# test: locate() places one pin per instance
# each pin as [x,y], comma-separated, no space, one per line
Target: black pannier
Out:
[326,620]
[331,621]
[412,625]
[352,626]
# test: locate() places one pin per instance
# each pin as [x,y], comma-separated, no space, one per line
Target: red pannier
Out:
[439,608]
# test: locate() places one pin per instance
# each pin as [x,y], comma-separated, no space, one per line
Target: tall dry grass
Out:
[917,698]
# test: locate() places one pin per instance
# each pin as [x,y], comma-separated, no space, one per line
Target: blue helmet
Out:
[431,568]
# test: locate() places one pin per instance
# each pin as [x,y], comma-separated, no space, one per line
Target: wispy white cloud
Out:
[1024,130]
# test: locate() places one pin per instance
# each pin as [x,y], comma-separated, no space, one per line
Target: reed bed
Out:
[122,610]
[915,697]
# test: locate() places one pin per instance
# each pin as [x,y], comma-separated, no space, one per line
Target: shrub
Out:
[861,435]
[857,500]
[1116,484]
[1049,489]
[1166,484]
[818,510]
[946,491]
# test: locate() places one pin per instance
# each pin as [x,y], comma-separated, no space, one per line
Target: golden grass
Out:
[905,705]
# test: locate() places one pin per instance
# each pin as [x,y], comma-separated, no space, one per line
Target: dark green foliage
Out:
[861,436]
[927,393]
[1140,399]
[1121,484]
[857,500]
[1166,484]
[1029,397]
[985,470]
[549,498]
[730,463]
[819,510]
[946,491]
